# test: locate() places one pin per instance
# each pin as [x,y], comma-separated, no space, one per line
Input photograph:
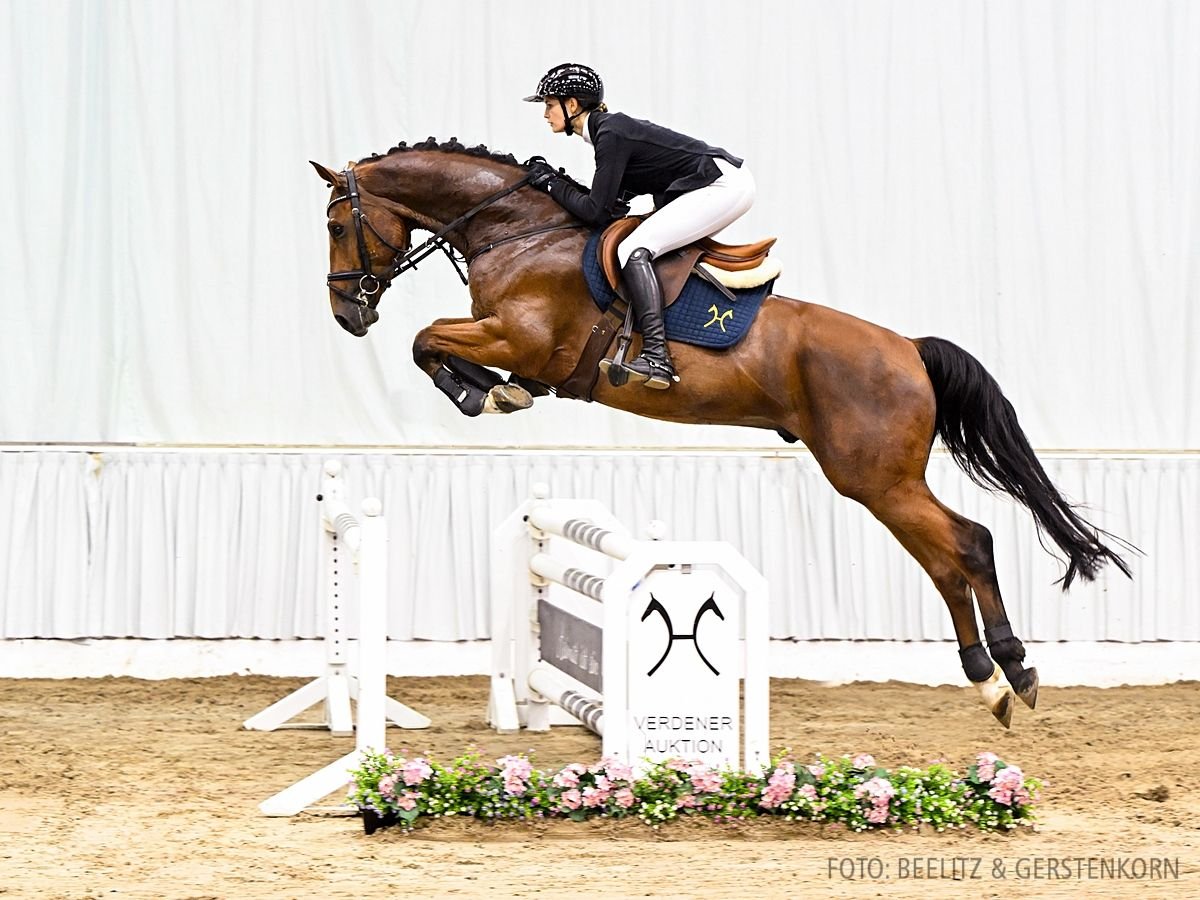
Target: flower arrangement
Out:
[851,791]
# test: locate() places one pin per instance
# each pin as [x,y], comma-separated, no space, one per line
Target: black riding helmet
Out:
[570,80]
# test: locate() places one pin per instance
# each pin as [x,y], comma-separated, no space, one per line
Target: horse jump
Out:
[367,540]
[576,644]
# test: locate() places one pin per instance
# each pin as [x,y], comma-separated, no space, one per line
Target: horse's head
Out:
[367,235]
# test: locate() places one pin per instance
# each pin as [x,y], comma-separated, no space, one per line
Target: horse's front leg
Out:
[455,354]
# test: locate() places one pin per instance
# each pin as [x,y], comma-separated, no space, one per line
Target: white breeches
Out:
[695,215]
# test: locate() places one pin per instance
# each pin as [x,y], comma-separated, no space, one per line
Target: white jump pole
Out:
[549,682]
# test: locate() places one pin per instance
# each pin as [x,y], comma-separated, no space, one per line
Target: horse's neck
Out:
[440,187]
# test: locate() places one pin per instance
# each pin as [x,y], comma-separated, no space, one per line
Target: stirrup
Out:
[656,375]
[618,374]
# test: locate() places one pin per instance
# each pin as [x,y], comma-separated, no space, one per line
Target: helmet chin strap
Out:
[567,117]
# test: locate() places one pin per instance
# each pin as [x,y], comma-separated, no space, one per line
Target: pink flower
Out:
[593,797]
[780,785]
[387,786]
[516,771]
[863,761]
[603,784]
[986,766]
[567,778]
[687,801]
[808,792]
[1008,787]
[624,798]
[619,771]
[515,767]
[880,791]
[877,788]
[675,764]
[415,771]
[704,780]
[816,771]
[407,800]
[571,799]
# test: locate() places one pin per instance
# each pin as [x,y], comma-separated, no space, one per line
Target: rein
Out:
[371,284]
[475,254]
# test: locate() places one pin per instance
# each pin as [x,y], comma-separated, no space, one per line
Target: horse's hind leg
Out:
[968,546]
[1005,647]
[995,692]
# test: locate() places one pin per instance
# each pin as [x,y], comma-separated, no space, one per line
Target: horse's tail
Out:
[980,429]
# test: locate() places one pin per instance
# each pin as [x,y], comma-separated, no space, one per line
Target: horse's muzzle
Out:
[355,319]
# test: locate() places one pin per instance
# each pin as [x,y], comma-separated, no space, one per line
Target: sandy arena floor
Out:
[124,788]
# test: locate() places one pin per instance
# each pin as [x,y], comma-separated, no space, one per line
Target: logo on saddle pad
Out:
[689,317]
[718,318]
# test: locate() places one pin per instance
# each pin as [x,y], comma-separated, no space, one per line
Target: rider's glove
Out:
[541,174]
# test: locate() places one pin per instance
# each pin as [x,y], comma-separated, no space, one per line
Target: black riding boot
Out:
[653,364]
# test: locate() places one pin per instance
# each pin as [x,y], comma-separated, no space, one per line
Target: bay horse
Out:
[864,400]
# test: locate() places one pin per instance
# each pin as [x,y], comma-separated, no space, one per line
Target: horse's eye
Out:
[336,229]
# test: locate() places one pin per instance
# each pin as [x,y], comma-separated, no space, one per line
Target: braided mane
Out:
[450,146]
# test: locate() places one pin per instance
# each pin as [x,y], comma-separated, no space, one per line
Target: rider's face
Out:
[554,113]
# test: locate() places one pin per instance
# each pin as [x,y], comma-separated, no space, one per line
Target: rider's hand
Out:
[541,174]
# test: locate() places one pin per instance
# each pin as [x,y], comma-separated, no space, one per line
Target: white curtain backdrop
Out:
[162,544]
[1022,178]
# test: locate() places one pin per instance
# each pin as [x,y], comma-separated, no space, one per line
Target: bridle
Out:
[369,284]
[372,284]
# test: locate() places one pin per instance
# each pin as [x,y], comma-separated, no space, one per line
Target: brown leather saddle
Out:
[673,270]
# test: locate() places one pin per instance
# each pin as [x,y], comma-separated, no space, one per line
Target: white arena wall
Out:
[1020,178]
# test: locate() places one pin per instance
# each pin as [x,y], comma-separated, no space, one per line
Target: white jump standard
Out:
[337,686]
[589,620]
[369,539]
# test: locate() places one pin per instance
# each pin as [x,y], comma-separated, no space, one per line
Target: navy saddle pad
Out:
[702,315]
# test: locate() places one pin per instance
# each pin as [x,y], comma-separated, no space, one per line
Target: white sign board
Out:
[684,669]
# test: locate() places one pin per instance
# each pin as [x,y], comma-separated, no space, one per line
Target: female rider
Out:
[697,191]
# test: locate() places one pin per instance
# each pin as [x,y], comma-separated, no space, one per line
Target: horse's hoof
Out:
[1027,690]
[997,696]
[507,398]
[1003,710]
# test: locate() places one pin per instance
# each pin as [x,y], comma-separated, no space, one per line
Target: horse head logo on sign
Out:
[709,605]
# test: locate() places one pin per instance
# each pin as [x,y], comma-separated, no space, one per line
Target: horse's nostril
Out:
[357,321]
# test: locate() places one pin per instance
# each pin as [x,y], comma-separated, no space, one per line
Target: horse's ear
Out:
[330,178]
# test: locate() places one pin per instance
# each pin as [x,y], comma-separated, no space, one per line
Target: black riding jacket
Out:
[635,157]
